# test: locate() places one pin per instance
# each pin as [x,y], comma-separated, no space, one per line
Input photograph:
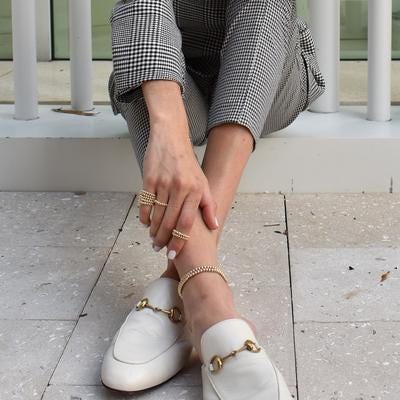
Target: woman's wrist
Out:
[164,101]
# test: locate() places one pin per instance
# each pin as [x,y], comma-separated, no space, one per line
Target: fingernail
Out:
[152,236]
[171,254]
[216,222]
[156,248]
[143,224]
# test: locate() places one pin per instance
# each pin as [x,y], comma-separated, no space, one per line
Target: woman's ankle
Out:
[205,313]
[206,287]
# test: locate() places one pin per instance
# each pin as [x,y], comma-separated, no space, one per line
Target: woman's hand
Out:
[172,172]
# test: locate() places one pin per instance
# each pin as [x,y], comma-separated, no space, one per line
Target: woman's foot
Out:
[137,360]
[207,298]
[206,309]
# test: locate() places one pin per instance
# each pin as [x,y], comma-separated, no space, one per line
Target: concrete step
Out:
[340,152]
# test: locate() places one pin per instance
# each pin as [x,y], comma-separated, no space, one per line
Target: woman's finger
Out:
[209,209]
[170,217]
[158,212]
[145,210]
[184,224]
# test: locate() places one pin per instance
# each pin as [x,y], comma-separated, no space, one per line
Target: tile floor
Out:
[317,273]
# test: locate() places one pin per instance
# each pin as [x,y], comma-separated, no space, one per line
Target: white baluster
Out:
[379,59]
[80,35]
[325,27]
[24,59]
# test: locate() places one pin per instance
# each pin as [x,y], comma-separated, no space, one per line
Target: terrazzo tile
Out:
[47,282]
[133,264]
[162,392]
[269,308]
[62,218]
[342,284]
[29,353]
[81,362]
[248,248]
[357,361]
[263,208]
[128,270]
[254,256]
[343,220]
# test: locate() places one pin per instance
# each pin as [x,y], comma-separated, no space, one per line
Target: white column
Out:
[43,30]
[325,27]
[80,36]
[24,59]
[379,59]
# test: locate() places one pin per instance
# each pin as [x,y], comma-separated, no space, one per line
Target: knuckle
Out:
[179,182]
[155,222]
[163,183]
[193,200]
[149,181]
[175,205]
[185,224]
[197,188]
[168,226]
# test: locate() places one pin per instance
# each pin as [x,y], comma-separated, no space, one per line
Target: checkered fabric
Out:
[250,62]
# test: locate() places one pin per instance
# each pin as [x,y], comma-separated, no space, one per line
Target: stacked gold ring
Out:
[149,199]
[180,235]
[146,198]
[160,203]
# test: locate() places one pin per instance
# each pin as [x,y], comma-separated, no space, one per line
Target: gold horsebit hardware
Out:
[174,313]
[217,362]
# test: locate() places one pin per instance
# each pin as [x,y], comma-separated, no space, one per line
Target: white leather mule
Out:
[152,345]
[236,367]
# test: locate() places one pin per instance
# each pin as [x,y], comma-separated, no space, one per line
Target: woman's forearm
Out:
[164,101]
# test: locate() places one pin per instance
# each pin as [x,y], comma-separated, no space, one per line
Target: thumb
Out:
[209,210]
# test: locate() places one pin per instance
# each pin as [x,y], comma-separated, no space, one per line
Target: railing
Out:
[24,57]
[324,23]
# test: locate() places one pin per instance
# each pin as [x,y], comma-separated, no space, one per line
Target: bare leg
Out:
[207,298]
[222,176]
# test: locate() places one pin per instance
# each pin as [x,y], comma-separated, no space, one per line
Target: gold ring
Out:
[180,235]
[160,203]
[146,198]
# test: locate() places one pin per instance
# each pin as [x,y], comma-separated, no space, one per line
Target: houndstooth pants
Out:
[250,62]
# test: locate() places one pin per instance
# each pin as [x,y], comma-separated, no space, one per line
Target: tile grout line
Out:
[354,321]
[90,293]
[310,321]
[291,295]
[41,319]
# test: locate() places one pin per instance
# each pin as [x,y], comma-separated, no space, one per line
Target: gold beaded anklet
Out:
[197,270]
